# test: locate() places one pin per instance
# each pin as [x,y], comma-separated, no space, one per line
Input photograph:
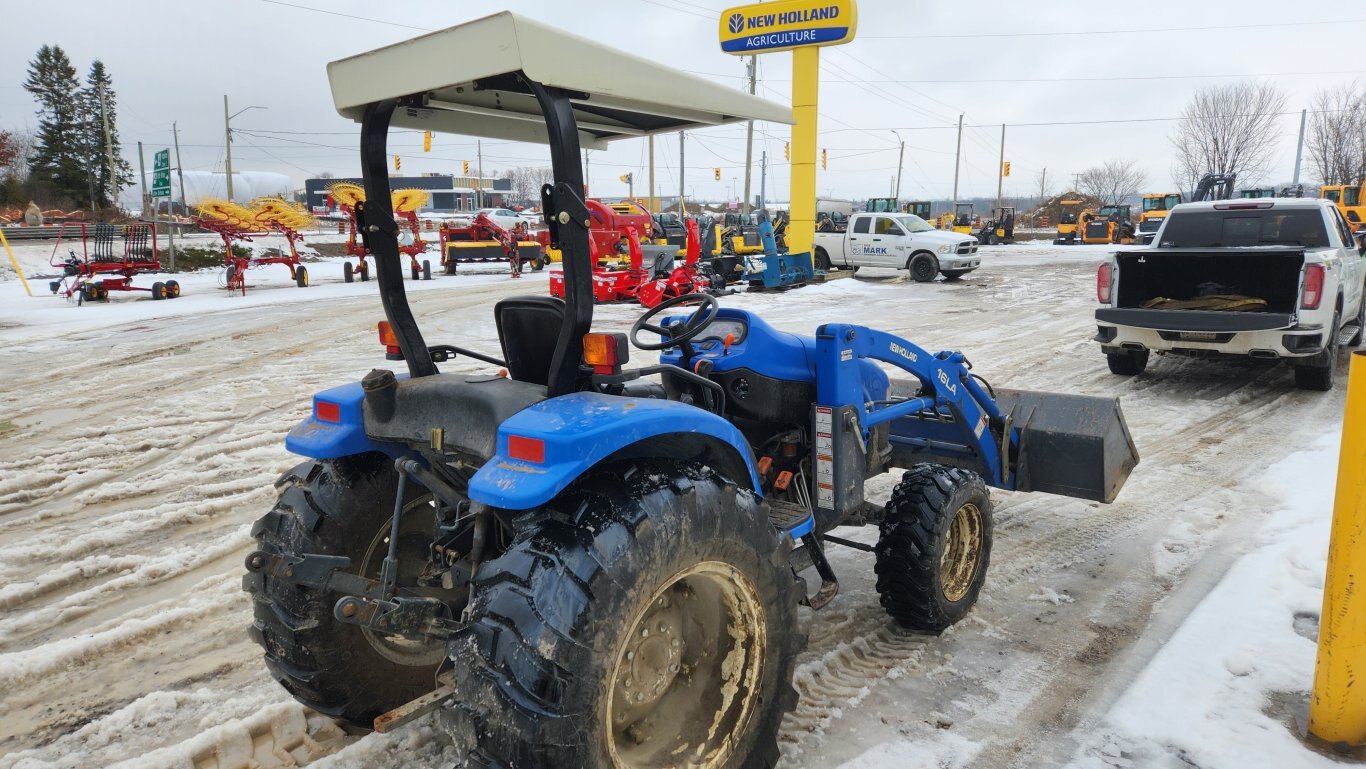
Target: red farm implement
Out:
[484,240]
[350,198]
[111,255]
[267,216]
[649,276]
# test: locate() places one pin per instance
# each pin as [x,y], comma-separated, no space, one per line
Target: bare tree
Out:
[1228,129]
[1112,182]
[1336,137]
[527,181]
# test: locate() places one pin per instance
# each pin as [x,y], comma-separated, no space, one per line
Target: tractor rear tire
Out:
[301,276]
[923,267]
[426,269]
[1127,362]
[338,507]
[158,290]
[934,547]
[348,272]
[566,639]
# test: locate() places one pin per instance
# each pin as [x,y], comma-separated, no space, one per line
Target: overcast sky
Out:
[913,67]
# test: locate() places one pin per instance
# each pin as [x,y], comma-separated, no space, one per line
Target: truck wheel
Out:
[644,615]
[1127,362]
[340,507]
[954,274]
[923,267]
[1318,371]
[934,546]
[822,260]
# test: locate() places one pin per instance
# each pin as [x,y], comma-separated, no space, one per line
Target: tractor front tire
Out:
[645,615]
[934,547]
[339,507]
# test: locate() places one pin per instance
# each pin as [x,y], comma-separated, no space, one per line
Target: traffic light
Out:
[787,150]
[626,178]
[1005,168]
[717,172]
[465,167]
[822,160]
[426,141]
[397,164]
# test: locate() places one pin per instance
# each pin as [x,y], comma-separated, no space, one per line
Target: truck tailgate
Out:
[1194,320]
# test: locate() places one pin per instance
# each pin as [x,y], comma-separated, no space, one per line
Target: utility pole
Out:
[142,170]
[1299,148]
[682,210]
[749,135]
[227,144]
[1001,167]
[179,169]
[900,159]
[479,182]
[652,174]
[114,171]
[763,181]
[957,154]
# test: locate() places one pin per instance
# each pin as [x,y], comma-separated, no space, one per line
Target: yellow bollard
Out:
[1337,708]
[15,262]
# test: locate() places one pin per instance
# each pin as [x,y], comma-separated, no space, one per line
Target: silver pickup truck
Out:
[901,242]
[1269,278]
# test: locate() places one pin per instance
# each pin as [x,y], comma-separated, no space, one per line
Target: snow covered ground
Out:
[140,439]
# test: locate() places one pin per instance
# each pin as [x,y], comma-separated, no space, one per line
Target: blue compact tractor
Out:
[585,564]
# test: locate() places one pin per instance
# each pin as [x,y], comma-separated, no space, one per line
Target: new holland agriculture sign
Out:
[782,26]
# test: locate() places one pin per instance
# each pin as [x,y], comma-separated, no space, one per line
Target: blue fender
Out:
[560,439]
[325,439]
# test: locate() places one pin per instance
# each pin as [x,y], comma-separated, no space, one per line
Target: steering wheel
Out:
[676,335]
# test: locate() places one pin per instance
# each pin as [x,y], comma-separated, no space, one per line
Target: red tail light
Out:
[1103,283]
[526,449]
[1313,287]
[327,412]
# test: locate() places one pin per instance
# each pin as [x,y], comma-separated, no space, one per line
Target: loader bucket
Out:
[1073,445]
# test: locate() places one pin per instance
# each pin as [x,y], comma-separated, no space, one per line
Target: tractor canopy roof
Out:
[467,79]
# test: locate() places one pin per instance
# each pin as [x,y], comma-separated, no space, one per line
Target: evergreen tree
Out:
[57,160]
[95,156]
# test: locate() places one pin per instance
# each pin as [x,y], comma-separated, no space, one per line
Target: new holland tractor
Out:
[583,564]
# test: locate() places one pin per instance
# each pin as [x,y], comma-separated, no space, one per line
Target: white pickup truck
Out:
[1271,278]
[899,241]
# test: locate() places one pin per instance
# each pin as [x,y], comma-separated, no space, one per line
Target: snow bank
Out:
[1227,688]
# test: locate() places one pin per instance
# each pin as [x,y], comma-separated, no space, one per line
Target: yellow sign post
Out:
[15,262]
[1337,707]
[800,26]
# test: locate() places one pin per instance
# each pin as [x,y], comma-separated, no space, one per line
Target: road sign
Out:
[785,25]
[161,175]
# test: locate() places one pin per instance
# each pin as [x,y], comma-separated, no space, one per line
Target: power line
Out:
[1278,25]
[349,16]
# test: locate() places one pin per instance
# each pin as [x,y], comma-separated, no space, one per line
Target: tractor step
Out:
[791,519]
